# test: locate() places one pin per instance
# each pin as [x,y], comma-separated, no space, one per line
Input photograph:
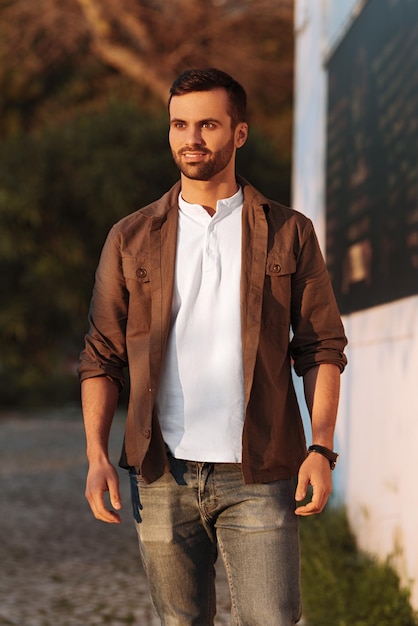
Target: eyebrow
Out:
[205,120]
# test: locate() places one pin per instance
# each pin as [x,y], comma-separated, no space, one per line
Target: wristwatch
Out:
[326,452]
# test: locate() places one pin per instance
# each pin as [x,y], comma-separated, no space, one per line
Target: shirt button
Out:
[141,272]
[276,268]
[147,434]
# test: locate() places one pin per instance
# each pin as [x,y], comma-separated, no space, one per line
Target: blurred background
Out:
[83,128]
[355,173]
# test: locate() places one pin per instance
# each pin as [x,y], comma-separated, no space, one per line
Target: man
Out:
[197,293]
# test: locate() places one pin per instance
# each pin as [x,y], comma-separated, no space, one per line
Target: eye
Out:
[209,125]
[178,125]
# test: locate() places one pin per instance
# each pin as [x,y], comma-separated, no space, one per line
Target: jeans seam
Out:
[234,607]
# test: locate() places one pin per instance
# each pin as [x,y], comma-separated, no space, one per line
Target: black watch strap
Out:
[326,452]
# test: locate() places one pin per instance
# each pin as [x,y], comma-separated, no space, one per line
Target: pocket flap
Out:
[280,265]
[136,269]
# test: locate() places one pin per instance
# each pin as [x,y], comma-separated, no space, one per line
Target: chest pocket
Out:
[135,269]
[280,268]
[137,278]
[280,265]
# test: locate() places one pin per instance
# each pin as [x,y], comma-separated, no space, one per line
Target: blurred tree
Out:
[67,51]
[60,192]
[152,41]
[83,89]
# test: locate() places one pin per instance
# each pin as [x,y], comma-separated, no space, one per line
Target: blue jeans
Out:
[186,515]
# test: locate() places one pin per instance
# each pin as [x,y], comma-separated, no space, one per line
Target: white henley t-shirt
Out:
[200,402]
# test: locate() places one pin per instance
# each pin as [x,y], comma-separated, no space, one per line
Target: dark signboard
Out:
[372,157]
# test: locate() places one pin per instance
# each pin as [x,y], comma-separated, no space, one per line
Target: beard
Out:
[207,169]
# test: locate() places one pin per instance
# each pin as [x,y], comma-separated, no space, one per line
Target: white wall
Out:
[377,431]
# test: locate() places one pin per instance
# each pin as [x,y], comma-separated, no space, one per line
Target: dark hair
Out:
[212,78]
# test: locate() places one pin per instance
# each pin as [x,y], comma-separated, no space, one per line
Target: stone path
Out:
[59,566]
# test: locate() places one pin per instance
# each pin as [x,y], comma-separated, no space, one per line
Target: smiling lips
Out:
[193,154]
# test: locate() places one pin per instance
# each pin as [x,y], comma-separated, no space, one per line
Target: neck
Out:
[207,193]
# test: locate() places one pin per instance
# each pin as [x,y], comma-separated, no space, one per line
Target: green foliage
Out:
[60,192]
[344,587]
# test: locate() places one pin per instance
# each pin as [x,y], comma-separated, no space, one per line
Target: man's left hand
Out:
[314,471]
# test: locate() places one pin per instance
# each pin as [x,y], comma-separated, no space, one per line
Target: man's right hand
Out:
[103,477]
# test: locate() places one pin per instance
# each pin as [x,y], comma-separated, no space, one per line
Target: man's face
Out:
[201,138]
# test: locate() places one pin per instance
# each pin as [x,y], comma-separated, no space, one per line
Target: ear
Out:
[241,134]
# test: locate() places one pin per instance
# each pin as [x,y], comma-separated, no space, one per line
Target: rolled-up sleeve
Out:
[105,353]
[318,332]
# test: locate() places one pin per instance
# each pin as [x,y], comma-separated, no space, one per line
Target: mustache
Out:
[194,148]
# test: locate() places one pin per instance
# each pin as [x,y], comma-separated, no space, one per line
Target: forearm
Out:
[322,390]
[99,398]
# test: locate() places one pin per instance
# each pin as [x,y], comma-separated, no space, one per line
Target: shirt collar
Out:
[223,206]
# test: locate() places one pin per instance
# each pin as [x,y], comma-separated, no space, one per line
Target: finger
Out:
[103,514]
[316,505]
[302,486]
[115,499]
[110,517]
[307,509]
[98,508]
[301,491]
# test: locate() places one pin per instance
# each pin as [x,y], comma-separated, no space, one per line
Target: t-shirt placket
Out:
[210,252]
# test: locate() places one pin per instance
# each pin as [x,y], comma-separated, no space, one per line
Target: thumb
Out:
[114,494]
[301,488]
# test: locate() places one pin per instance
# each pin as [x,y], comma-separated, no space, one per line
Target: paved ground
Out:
[59,566]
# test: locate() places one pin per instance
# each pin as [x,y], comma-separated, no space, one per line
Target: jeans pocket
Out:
[135,499]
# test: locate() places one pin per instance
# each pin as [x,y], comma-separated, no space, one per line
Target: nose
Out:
[194,135]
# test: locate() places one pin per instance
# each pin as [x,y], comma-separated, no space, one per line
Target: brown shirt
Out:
[288,313]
